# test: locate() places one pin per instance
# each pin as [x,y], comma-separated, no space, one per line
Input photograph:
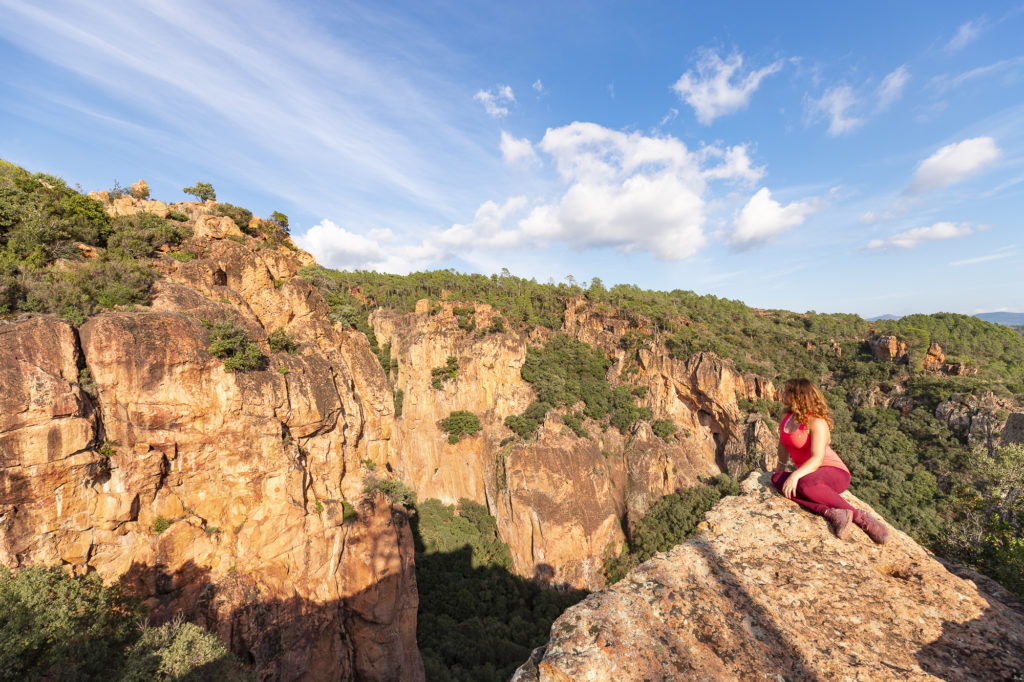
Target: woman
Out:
[804,434]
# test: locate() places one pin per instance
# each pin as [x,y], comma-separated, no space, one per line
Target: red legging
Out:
[818,490]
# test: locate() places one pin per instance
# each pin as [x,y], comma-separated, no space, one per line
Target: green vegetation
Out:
[228,340]
[575,422]
[566,371]
[399,400]
[669,521]
[460,423]
[439,375]
[281,342]
[348,512]
[177,216]
[664,428]
[280,220]
[202,191]
[160,524]
[56,626]
[240,216]
[396,491]
[477,620]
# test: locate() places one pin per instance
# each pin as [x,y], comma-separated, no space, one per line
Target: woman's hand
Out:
[789,487]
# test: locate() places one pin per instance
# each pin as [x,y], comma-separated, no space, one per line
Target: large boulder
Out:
[765,591]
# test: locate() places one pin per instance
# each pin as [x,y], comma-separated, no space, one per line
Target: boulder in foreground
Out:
[765,591]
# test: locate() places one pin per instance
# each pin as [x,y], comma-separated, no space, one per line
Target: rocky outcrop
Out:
[885,347]
[562,502]
[766,591]
[982,418]
[234,499]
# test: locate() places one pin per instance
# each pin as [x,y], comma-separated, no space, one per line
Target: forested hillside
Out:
[921,432]
[923,446]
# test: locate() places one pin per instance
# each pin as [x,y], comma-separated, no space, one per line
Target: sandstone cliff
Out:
[561,500]
[765,591]
[234,499]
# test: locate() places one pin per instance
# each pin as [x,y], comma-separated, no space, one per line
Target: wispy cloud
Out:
[497,100]
[538,87]
[720,86]
[911,238]
[966,34]
[835,107]
[272,90]
[1009,68]
[954,163]
[983,259]
[891,88]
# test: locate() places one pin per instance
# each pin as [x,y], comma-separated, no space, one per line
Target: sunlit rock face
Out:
[561,501]
[765,591]
[128,450]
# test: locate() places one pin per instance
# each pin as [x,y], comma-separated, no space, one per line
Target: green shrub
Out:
[395,490]
[399,400]
[160,524]
[177,216]
[139,235]
[575,422]
[240,216]
[664,428]
[181,652]
[280,219]
[460,423]
[438,375]
[55,626]
[497,326]
[79,292]
[228,340]
[280,341]
[183,256]
[348,512]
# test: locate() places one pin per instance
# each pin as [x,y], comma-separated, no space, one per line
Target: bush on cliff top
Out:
[229,341]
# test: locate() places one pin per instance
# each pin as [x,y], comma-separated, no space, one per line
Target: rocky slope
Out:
[229,498]
[561,500]
[765,591]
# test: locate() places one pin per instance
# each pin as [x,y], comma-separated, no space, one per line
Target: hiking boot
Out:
[839,519]
[875,529]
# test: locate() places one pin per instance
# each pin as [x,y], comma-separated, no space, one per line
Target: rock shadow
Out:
[985,648]
[478,620]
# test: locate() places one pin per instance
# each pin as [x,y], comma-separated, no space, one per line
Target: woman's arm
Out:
[818,433]
[782,455]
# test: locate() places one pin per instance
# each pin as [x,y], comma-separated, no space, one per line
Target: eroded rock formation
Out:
[765,591]
[232,498]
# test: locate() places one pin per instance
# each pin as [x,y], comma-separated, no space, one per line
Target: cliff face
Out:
[766,591]
[560,500]
[214,494]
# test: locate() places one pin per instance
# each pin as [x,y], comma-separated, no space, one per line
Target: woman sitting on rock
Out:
[805,433]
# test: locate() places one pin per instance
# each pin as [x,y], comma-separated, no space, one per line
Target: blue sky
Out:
[864,158]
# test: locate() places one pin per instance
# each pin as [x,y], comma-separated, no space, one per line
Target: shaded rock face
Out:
[212,494]
[984,418]
[561,502]
[766,591]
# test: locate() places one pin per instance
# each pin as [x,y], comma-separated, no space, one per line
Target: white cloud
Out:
[763,218]
[983,259]
[672,113]
[336,247]
[835,105]
[627,191]
[720,87]
[513,149]
[496,101]
[892,86]
[538,86]
[918,235]
[965,35]
[953,163]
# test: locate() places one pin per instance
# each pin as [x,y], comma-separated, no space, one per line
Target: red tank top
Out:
[798,445]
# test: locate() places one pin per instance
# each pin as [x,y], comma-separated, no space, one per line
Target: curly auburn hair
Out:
[805,401]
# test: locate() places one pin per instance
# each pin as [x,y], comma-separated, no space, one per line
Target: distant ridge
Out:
[1009,319]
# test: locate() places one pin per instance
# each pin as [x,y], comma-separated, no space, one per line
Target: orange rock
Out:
[766,591]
